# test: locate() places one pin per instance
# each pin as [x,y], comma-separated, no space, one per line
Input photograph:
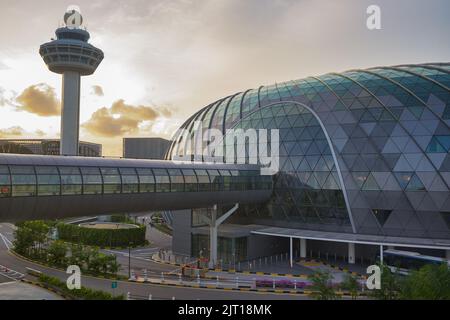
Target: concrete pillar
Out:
[213,226]
[381,254]
[213,246]
[70,113]
[351,253]
[291,262]
[213,238]
[302,248]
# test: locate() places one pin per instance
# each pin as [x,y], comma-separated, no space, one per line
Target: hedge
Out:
[102,237]
[84,293]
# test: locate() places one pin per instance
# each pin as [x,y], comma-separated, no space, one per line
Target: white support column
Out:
[213,226]
[381,254]
[213,246]
[70,113]
[291,262]
[351,253]
[302,248]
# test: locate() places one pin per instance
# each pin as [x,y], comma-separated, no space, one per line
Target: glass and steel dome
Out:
[363,150]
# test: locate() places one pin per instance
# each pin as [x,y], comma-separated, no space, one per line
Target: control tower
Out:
[72,56]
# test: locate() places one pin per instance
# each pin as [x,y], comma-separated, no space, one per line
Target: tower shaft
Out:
[70,117]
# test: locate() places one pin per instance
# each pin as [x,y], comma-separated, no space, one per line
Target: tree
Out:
[431,282]
[39,231]
[23,240]
[390,285]
[30,237]
[56,253]
[78,255]
[351,284]
[322,285]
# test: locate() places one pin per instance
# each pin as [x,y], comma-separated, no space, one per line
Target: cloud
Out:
[39,99]
[122,119]
[12,132]
[98,90]
[3,66]
[3,100]
[39,133]
[19,132]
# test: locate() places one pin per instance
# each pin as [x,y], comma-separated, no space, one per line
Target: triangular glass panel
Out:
[403,178]
[370,184]
[360,178]
[415,184]
[435,147]
[381,215]
[446,217]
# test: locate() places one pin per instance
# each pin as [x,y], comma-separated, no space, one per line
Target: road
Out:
[144,290]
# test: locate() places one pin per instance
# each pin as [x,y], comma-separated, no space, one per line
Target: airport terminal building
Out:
[363,163]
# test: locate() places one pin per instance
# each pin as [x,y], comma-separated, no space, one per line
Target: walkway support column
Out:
[302,248]
[213,226]
[381,254]
[291,262]
[351,253]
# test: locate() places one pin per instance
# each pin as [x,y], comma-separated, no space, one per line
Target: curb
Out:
[259,273]
[48,288]
[248,289]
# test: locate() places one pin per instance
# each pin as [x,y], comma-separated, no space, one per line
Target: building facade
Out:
[46,147]
[364,155]
[145,148]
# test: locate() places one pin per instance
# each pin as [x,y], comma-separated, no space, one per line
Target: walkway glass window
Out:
[49,182]
[71,181]
[146,180]
[177,180]
[23,181]
[92,180]
[112,182]
[204,184]
[190,180]
[226,179]
[5,182]
[130,181]
[162,180]
[216,180]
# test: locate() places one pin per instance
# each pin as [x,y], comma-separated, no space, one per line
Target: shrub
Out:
[102,237]
[84,293]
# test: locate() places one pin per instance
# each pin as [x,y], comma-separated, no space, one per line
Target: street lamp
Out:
[129,259]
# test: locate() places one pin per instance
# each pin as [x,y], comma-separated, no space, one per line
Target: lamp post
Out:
[129,259]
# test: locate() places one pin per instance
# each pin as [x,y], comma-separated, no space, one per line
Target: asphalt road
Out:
[136,289]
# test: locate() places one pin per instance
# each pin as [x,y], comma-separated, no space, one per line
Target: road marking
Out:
[10,274]
[6,241]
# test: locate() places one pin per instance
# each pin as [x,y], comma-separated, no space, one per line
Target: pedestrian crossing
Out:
[11,274]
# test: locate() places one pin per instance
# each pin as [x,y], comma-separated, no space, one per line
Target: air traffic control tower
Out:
[72,56]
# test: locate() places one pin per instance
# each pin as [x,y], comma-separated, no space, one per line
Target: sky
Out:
[166,59]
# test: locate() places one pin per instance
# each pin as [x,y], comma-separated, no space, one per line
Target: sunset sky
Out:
[165,60]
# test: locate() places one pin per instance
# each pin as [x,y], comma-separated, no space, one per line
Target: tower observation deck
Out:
[71,56]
